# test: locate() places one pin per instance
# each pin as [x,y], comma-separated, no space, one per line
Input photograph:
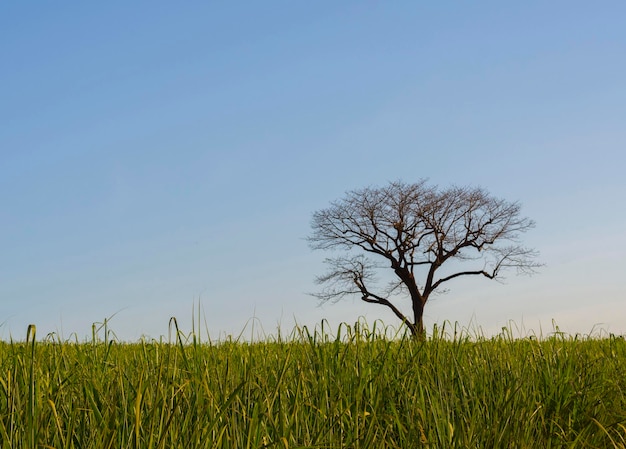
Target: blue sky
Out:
[156,155]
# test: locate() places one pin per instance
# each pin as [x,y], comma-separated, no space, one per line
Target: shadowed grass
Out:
[356,389]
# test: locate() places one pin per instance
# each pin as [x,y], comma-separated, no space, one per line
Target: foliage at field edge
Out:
[313,390]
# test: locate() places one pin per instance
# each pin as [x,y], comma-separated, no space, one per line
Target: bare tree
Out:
[415,229]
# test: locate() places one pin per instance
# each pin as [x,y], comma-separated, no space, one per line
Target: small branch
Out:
[462,273]
[378,300]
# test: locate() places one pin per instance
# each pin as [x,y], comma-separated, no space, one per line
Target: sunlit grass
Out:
[355,388]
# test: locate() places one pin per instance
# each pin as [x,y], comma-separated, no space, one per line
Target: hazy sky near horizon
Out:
[155,155]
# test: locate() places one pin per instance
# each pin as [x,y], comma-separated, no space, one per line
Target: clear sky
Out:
[157,155]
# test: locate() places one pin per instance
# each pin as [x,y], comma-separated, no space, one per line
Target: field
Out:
[313,389]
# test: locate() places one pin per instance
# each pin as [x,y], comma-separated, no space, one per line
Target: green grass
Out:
[360,390]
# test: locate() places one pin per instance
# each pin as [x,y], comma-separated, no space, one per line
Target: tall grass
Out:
[356,389]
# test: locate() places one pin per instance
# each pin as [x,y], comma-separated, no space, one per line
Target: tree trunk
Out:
[418,322]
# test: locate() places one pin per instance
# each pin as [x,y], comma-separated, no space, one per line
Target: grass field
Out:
[312,389]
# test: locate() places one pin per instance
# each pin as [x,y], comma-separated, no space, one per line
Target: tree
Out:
[427,236]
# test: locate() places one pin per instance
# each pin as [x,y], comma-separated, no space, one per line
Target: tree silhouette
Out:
[427,236]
